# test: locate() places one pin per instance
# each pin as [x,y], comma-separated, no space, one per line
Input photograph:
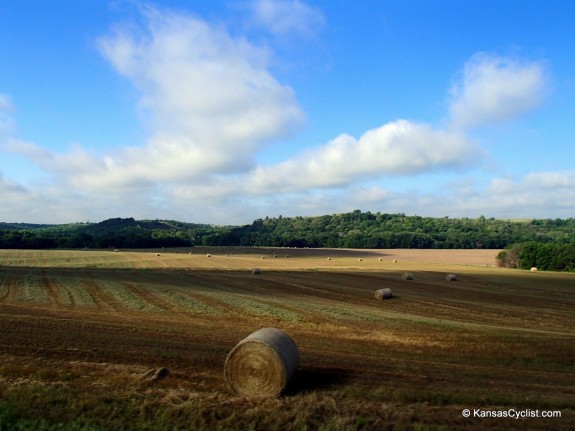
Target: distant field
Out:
[79,329]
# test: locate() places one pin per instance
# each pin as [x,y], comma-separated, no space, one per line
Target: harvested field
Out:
[80,329]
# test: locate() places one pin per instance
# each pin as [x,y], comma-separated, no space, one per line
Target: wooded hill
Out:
[351,230]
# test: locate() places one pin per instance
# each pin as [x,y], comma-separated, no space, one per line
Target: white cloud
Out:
[556,180]
[501,186]
[397,148]
[10,188]
[287,17]
[494,89]
[208,97]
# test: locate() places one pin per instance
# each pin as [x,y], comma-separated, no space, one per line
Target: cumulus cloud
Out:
[287,17]
[209,99]
[556,180]
[397,148]
[494,89]
[8,187]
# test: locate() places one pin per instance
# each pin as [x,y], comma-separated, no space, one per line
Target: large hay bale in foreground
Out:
[262,364]
[407,276]
[383,293]
[451,277]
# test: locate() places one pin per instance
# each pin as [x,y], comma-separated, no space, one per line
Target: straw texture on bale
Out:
[407,276]
[383,293]
[451,277]
[261,364]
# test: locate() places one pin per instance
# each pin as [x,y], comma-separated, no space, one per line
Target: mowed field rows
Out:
[93,322]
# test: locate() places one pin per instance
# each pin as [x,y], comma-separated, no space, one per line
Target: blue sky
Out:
[227,111]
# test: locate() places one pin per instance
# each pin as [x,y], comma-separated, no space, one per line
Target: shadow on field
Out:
[312,379]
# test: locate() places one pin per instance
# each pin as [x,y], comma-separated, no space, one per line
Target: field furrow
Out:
[30,289]
[124,297]
[186,302]
[245,304]
[74,292]
[4,286]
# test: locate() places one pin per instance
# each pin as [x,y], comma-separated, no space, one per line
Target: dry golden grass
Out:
[80,329]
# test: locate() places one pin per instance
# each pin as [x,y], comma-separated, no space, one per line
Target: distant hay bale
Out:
[329,258]
[261,364]
[380,259]
[383,293]
[256,271]
[157,254]
[208,255]
[451,277]
[191,252]
[394,261]
[287,255]
[263,257]
[360,259]
[533,269]
[407,276]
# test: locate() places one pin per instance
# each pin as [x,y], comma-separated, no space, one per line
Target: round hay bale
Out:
[208,255]
[533,269]
[263,257]
[451,277]
[407,276]
[157,254]
[360,259]
[394,261]
[329,258]
[256,271]
[261,364]
[380,259]
[383,293]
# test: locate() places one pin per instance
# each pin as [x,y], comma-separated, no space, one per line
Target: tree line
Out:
[543,256]
[111,233]
[356,229]
[376,230]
